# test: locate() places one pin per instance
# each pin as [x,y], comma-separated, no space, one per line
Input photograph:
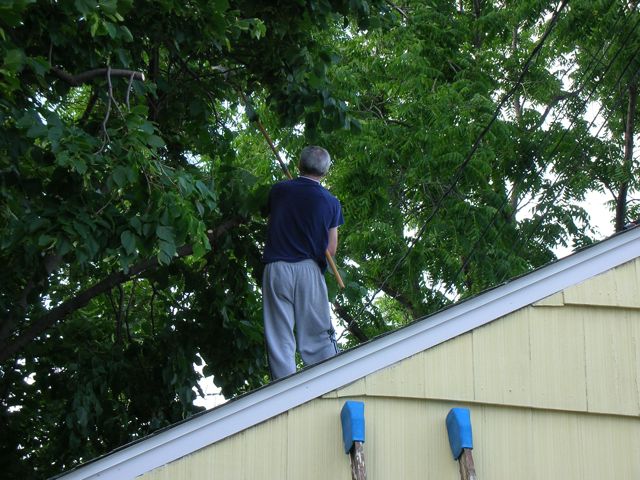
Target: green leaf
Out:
[166,253]
[109,6]
[79,165]
[136,224]
[123,175]
[85,6]
[39,65]
[155,141]
[37,129]
[146,127]
[95,25]
[128,241]
[14,59]
[165,233]
[111,29]
[199,250]
[62,158]
[185,185]
[83,416]
[45,240]
[63,245]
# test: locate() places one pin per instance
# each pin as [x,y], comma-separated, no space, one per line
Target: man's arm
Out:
[333,241]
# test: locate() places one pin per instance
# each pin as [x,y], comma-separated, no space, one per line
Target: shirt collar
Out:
[309,178]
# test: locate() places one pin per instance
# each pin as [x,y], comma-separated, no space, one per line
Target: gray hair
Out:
[314,161]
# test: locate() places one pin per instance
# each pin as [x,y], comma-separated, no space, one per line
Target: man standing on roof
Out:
[303,223]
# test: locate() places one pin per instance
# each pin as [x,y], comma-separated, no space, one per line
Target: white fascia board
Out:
[265,403]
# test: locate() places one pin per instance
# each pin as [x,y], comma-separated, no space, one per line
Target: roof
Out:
[260,405]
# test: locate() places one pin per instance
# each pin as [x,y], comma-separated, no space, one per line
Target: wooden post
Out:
[467,469]
[352,419]
[358,468]
[461,441]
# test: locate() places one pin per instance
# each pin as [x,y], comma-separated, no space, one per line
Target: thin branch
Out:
[152,318]
[126,98]
[398,9]
[134,284]
[85,77]
[554,101]
[352,326]
[105,138]
[120,311]
[112,303]
[402,299]
[200,390]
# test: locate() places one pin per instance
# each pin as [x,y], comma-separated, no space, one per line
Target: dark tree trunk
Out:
[477,11]
[514,199]
[623,188]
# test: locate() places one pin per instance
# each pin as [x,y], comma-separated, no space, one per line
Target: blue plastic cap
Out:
[459,429]
[352,418]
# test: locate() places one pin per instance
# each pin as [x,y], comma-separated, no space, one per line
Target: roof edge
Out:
[267,402]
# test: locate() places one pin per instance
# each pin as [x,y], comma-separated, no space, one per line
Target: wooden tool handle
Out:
[334,269]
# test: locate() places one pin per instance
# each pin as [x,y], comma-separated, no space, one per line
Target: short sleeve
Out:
[338,219]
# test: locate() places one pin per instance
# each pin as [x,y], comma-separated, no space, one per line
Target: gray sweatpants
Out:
[296,294]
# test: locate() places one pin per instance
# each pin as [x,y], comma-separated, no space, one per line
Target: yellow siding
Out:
[555,300]
[446,372]
[560,356]
[612,364]
[501,359]
[246,455]
[534,444]
[447,361]
[314,434]
[407,439]
[353,389]
[397,378]
[554,393]
[557,359]
[617,287]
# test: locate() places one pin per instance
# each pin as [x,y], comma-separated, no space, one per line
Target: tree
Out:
[607,57]
[130,232]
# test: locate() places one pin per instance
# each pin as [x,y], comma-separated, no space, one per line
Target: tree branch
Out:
[10,347]
[554,101]
[85,77]
[398,9]
[126,312]
[351,326]
[402,299]
[627,163]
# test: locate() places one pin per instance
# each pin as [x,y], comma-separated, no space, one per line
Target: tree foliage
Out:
[130,232]
[132,178]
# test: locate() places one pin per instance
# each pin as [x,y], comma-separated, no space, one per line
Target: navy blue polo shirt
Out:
[301,212]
